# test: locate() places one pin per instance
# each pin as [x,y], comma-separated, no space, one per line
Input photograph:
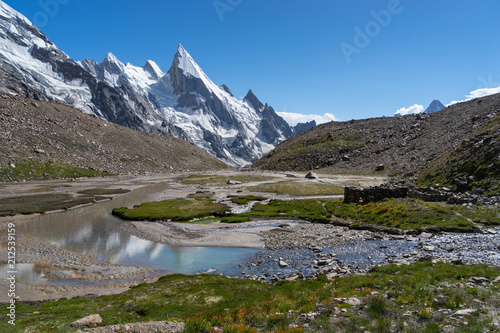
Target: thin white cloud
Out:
[294,118]
[477,94]
[483,92]
[417,108]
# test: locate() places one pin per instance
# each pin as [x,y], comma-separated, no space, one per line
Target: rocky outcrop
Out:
[303,127]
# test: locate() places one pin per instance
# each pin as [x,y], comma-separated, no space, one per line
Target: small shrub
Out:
[279,321]
[376,306]
[197,325]
[425,313]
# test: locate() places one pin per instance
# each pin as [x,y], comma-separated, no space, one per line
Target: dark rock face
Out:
[303,127]
[272,125]
[14,83]
[252,99]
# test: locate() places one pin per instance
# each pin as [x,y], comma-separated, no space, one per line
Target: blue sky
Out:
[300,57]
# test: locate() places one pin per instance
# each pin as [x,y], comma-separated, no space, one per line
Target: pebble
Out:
[464,312]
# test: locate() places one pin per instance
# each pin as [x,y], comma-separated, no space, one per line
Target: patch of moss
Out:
[201,195]
[175,210]
[29,170]
[245,199]
[311,210]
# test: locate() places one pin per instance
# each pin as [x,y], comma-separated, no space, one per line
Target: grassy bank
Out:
[416,298]
[415,214]
[405,214]
[41,203]
[175,210]
[29,170]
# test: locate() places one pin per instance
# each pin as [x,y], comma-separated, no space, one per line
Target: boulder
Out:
[464,312]
[282,263]
[92,320]
[354,301]
[479,280]
[312,175]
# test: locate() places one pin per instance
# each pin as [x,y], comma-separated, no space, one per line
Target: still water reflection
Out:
[94,232]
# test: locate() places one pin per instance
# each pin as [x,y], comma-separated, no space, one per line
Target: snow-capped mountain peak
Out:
[152,68]
[183,102]
[187,64]
[112,64]
[253,100]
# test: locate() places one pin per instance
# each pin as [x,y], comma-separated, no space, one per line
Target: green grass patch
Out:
[299,188]
[306,209]
[219,180]
[175,210]
[245,199]
[32,204]
[407,214]
[29,170]
[235,219]
[201,195]
[267,308]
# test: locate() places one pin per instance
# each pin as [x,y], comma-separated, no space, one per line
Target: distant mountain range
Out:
[182,102]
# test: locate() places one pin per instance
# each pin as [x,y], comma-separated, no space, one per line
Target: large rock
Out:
[92,320]
[312,175]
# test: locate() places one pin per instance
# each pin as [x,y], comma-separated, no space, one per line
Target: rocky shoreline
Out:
[357,252]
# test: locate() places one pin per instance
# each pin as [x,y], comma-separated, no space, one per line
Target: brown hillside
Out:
[47,131]
[405,145]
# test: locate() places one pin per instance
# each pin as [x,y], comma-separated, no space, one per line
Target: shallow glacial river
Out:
[94,233]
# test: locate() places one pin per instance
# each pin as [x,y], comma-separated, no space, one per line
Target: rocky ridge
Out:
[400,146]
